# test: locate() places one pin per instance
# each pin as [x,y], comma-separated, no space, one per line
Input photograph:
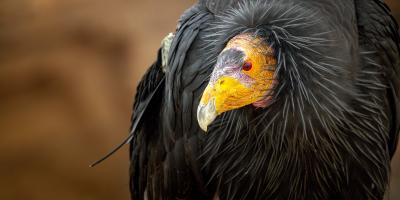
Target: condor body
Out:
[274,99]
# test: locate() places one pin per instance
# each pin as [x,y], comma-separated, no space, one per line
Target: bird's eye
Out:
[247,66]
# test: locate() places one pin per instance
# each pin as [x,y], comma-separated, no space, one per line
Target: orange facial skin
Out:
[229,92]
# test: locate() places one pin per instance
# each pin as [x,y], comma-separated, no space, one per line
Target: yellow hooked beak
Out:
[228,90]
[226,94]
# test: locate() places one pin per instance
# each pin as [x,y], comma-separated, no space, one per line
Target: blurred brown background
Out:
[68,70]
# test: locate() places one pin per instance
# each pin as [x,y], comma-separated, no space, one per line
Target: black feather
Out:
[333,124]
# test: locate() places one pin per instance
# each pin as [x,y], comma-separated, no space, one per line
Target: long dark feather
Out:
[329,133]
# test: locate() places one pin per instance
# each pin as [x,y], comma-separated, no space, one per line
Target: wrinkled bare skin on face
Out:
[238,80]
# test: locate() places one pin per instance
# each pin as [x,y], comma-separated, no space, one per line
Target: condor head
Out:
[243,75]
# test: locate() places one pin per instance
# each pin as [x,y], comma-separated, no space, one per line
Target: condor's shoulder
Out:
[378,33]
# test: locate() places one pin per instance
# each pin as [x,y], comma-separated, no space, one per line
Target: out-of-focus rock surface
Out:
[68,70]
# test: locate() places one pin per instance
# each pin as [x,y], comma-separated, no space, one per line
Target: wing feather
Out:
[378,33]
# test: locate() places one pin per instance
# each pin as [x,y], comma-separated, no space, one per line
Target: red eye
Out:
[247,66]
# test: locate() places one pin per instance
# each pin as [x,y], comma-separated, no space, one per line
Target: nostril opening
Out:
[221,82]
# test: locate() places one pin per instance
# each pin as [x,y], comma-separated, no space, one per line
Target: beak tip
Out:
[203,127]
[206,114]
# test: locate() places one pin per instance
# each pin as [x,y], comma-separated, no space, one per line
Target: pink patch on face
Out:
[267,100]
[263,103]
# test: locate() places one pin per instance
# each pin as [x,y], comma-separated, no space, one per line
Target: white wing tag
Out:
[165,46]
